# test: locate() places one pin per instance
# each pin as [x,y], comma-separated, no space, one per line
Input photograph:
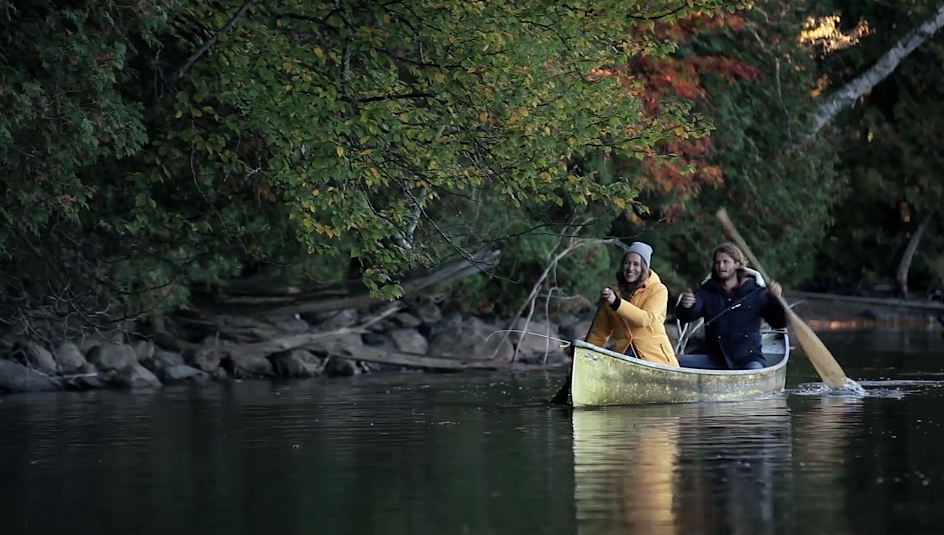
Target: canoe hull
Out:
[602,377]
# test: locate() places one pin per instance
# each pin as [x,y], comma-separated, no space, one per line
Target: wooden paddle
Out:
[561,397]
[822,360]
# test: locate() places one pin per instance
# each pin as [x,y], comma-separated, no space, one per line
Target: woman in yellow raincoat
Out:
[634,314]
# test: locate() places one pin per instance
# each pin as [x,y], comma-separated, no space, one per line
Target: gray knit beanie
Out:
[643,250]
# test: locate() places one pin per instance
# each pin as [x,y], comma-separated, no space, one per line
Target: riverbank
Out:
[404,336]
[399,337]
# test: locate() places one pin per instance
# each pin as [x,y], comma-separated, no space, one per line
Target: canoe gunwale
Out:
[694,371]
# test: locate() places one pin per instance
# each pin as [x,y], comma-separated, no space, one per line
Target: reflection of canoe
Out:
[624,470]
[603,377]
[678,468]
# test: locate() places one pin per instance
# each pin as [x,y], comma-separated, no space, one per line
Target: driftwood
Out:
[248,297]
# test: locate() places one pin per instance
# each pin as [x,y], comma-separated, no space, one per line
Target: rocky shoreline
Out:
[394,337]
[402,336]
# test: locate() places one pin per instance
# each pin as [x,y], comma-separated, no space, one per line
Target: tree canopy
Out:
[149,148]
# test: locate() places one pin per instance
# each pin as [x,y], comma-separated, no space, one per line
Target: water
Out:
[483,453]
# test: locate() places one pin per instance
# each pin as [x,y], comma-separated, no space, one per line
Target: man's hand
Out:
[608,296]
[688,299]
[774,289]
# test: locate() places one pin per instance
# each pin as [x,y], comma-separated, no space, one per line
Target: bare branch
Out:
[211,41]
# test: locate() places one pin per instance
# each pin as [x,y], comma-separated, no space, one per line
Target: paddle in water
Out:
[822,360]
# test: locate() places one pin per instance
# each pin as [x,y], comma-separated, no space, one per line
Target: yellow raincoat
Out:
[640,321]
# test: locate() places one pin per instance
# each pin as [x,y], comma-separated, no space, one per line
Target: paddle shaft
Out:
[822,360]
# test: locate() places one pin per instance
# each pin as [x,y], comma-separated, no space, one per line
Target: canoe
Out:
[602,377]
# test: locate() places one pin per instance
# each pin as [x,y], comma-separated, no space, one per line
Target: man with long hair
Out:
[733,304]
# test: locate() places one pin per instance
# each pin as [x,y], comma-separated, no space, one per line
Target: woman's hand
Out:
[608,296]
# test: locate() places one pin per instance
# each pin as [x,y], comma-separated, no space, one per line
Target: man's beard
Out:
[731,275]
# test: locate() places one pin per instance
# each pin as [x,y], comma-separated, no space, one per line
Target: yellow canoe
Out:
[603,377]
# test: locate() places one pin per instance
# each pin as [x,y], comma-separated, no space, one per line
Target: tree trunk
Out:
[908,256]
[846,95]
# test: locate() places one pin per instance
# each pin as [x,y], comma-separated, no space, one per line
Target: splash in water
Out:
[887,389]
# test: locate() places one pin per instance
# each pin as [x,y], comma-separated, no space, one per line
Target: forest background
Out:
[156,155]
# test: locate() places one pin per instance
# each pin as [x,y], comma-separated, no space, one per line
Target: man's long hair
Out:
[735,253]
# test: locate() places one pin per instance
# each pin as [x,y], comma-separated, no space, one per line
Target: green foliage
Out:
[891,153]
[136,161]
[781,202]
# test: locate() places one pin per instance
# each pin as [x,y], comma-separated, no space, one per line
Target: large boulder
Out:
[540,337]
[15,377]
[428,313]
[166,359]
[134,376]
[70,358]
[409,341]
[295,363]
[108,356]
[576,331]
[469,340]
[41,359]
[181,373]
[249,366]
[206,359]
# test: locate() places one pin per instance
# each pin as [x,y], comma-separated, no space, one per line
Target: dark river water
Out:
[483,453]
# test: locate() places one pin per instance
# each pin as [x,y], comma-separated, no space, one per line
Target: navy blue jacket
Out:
[733,339]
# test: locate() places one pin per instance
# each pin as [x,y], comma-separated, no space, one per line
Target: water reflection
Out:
[704,468]
[476,454]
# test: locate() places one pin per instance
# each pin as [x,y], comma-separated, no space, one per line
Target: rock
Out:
[205,358]
[181,373]
[83,382]
[381,341]
[428,313]
[338,367]
[41,359]
[378,340]
[134,376]
[86,343]
[467,340]
[405,319]
[291,324]
[567,320]
[18,378]
[576,331]
[445,323]
[409,341]
[339,320]
[532,347]
[144,350]
[250,366]
[70,358]
[166,359]
[112,356]
[295,363]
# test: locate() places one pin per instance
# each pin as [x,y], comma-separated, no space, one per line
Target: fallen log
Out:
[252,297]
[337,348]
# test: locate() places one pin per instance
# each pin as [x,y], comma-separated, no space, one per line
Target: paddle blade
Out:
[561,397]
[826,366]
